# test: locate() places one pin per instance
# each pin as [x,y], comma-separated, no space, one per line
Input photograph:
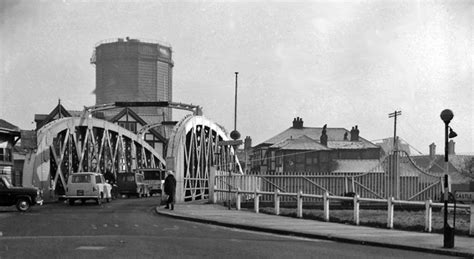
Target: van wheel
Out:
[23,204]
[71,202]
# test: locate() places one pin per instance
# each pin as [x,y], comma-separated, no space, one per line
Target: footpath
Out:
[249,220]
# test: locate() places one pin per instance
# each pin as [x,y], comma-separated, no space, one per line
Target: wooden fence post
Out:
[471,222]
[390,212]
[356,209]
[326,205]
[237,202]
[299,204]
[256,201]
[428,216]
[276,199]
[212,185]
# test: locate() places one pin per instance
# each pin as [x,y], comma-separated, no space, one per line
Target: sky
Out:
[340,63]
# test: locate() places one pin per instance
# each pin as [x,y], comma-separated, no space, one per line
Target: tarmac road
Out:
[130,228]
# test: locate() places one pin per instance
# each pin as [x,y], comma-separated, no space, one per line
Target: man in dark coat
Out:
[170,189]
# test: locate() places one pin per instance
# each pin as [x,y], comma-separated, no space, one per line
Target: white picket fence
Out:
[391,202]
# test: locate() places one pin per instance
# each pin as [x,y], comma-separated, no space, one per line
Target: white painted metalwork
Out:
[75,144]
[192,150]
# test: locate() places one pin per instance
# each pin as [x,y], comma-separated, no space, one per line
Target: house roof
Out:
[7,127]
[335,137]
[134,115]
[301,143]
[358,166]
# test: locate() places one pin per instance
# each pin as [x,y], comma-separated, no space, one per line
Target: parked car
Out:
[131,183]
[22,197]
[87,186]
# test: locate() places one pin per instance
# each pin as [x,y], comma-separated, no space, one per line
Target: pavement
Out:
[245,219]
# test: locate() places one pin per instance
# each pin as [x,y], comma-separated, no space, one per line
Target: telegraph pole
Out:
[395,175]
[394,115]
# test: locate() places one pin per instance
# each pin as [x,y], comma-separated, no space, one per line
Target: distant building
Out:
[435,164]
[134,70]
[315,149]
[9,135]
[387,145]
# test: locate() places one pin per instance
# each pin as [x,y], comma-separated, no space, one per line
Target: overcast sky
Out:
[341,63]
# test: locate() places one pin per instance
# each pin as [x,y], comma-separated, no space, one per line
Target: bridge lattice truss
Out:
[74,144]
[194,147]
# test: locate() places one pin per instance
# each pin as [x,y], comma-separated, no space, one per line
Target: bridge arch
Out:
[192,150]
[74,144]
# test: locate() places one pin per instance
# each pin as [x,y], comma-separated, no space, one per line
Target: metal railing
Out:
[326,197]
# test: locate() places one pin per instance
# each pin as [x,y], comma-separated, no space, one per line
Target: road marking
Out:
[1,233]
[173,228]
[90,248]
[116,225]
[105,225]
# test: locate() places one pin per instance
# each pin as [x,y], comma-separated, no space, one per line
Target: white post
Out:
[256,201]
[471,222]
[299,204]
[237,202]
[326,206]
[390,212]
[356,209]
[212,186]
[428,216]
[277,202]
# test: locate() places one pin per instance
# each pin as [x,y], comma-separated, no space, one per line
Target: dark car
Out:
[130,183]
[22,197]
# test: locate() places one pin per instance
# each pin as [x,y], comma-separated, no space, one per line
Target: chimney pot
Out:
[432,150]
[451,145]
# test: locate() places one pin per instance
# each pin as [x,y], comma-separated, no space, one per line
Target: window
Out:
[81,179]
[5,154]
[130,125]
[98,179]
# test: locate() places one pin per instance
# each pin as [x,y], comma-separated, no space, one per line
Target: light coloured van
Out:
[87,186]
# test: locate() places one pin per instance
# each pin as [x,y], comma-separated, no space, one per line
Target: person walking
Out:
[170,189]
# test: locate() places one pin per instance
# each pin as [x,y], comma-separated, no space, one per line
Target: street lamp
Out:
[447,115]
[235,135]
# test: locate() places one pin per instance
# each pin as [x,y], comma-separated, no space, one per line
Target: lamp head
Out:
[452,134]
[447,115]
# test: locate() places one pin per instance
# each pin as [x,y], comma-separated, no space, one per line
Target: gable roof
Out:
[301,143]
[335,137]
[59,111]
[7,126]
[134,115]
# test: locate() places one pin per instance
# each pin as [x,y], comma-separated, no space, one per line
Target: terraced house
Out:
[315,149]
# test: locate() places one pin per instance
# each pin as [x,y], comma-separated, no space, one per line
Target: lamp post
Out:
[235,135]
[448,240]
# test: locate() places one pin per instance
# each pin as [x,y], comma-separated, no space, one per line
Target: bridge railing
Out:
[238,195]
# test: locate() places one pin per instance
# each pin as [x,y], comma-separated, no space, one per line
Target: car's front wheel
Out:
[23,204]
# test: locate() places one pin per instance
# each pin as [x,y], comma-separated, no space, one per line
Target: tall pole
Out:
[448,237]
[395,160]
[235,110]
[394,115]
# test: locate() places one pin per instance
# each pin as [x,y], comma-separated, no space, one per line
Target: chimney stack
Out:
[451,147]
[324,137]
[298,123]
[432,150]
[247,143]
[355,133]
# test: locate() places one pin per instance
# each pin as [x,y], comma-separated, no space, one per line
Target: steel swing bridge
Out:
[74,144]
